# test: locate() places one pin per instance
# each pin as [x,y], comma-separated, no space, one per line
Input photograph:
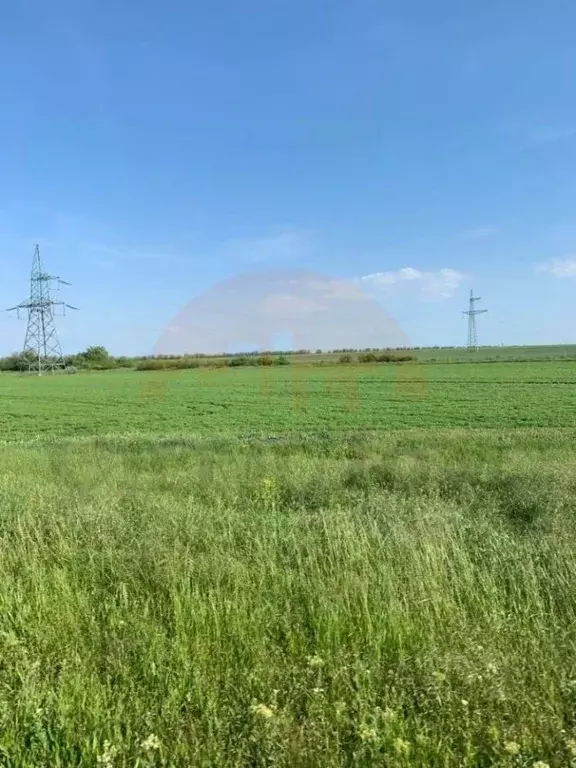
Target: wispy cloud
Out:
[288,304]
[476,233]
[528,132]
[543,135]
[107,255]
[439,284]
[565,267]
[288,246]
[338,290]
[318,294]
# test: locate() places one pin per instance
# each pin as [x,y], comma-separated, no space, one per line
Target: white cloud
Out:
[440,284]
[565,267]
[339,290]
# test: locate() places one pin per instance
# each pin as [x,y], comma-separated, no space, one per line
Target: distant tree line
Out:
[98,358]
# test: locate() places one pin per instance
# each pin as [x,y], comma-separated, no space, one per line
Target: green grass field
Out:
[389,582]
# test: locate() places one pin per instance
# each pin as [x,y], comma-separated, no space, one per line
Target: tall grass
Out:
[402,600]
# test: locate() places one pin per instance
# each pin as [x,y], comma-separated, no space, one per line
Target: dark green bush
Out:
[384,357]
[151,365]
[236,362]
[177,364]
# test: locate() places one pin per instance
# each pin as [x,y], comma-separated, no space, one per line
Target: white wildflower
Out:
[109,752]
[512,747]
[367,734]
[152,743]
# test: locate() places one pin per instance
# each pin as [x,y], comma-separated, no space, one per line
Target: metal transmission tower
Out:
[42,351]
[472,312]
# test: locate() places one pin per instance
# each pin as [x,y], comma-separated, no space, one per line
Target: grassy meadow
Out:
[354,566]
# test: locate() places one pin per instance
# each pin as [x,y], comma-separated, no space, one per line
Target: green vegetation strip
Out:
[402,599]
[290,399]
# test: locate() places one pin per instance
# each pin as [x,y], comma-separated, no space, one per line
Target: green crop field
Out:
[294,398]
[545,352]
[550,352]
[302,566]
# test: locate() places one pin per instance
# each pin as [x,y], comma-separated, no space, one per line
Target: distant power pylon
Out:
[42,351]
[472,312]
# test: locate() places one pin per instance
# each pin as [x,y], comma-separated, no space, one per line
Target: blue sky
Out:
[156,149]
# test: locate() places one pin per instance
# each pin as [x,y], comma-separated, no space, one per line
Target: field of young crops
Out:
[549,352]
[294,398]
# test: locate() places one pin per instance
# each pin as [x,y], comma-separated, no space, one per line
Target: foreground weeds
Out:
[402,600]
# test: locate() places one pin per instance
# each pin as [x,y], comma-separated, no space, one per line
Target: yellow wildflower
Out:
[263,711]
[402,747]
[367,734]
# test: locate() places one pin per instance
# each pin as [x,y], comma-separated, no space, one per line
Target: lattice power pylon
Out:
[42,352]
[472,312]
